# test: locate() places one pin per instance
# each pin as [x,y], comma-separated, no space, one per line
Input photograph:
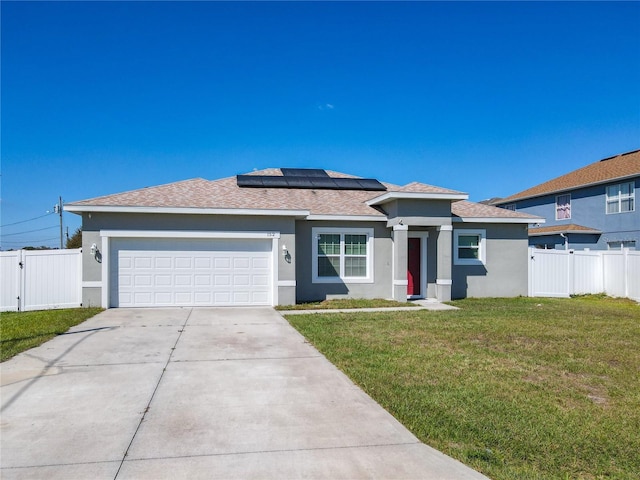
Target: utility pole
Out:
[58,209]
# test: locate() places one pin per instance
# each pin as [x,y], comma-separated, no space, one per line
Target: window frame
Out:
[342,231]
[558,205]
[618,198]
[482,247]
[622,245]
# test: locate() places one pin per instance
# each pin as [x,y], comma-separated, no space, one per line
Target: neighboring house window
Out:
[618,245]
[563,207]
[510,206]
[620,198]
[469,247]
[342,255]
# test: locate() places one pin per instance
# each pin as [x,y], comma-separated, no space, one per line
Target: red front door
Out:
[413,267]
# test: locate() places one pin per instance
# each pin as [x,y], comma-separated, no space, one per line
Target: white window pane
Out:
[328,244]
[626,205]
[468,240]
[328,266]
[625,188]
[355,244]
[612,207]
[355,267]
[467,252]
[612,191]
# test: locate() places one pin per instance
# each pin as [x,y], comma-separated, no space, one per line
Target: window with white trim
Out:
[510,206]
[469,247]
[620,244]
[620,198]
[342,255]
[563,207]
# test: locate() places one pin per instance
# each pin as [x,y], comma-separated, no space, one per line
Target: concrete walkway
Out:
[428,304]
[197,393]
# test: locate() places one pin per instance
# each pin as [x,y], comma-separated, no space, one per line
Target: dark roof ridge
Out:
[620,155]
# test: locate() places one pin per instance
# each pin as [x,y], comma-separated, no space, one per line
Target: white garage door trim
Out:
[108,235]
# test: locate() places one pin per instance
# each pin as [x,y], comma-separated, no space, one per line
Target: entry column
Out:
[443,280]
[400,282]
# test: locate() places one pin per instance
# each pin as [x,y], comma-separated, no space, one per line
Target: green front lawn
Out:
[346,303]
[20,331]
[523,388]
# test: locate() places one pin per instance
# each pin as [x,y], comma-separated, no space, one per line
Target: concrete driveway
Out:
[197,393]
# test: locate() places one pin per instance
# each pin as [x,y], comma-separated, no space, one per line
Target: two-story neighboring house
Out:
[593,207]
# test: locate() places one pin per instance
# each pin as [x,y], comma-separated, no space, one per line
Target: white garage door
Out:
[186,272]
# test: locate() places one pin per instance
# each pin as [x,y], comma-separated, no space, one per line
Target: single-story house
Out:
[280,236]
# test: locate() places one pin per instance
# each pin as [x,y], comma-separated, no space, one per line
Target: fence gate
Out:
[40,279]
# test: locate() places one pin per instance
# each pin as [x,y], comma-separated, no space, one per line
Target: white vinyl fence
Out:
[40,279]
[560,273]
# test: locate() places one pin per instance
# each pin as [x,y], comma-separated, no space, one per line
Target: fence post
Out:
[625,266]
[530,272]
[572,270]
[22,265]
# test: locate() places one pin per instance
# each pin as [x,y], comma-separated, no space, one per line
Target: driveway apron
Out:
[197,393]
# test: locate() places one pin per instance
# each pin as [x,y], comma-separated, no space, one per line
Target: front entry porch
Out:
[415,277]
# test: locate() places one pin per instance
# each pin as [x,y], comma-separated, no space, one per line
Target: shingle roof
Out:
[621,166]
[556,229]
[225,194]
[466,209]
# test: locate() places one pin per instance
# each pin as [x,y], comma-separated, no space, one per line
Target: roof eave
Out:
[558,232]
[524,220]
[555,192]
[79,209]
[390,196]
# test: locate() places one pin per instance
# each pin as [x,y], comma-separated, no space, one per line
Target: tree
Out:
[75,240]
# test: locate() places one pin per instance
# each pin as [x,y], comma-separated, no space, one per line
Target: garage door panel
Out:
[212,273]
[241,263]
[222,280]
[261,280]
[143,298]
[260,297]
[183,262]
[203,263]
[163,262]
[222,263]
[222,298]
[142,262]
[142,280]
[241,280]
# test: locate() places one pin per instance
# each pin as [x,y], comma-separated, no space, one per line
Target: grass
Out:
[523,388]
[20,331]
[346,303]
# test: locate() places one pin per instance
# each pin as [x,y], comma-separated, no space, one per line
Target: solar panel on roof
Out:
[249,180]
[370,184]
[346,184]
[299,182]
[274,182]
[308,182]
[303,172]
[325,183]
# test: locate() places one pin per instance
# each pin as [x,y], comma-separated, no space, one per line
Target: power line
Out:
[3,242]
[29,231]
[25,221]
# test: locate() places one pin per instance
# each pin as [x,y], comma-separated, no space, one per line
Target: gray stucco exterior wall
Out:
[505,273]
[309,291]
[94,223]
[418,212]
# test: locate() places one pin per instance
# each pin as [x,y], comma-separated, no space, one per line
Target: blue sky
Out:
[487,98]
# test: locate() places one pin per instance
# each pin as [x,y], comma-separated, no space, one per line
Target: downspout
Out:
[566,241]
